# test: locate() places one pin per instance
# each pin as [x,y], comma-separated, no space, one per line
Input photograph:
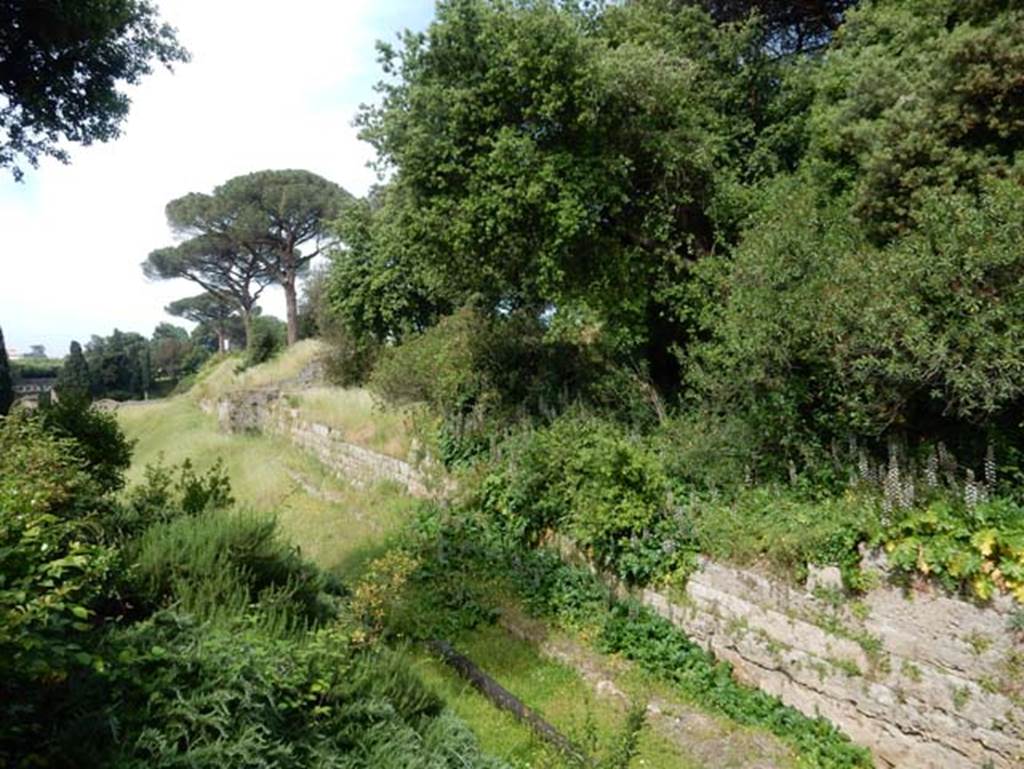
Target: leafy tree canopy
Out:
[281,217]
[61,65]
[546,156]
[75,382]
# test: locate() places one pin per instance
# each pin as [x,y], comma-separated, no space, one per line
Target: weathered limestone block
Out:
[910,676]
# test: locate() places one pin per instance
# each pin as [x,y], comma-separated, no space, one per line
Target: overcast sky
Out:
[270,85]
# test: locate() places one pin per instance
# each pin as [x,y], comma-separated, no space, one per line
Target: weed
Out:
[911,671]
[961,696]
[979,642]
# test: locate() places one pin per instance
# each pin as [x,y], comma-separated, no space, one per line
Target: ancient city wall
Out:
[924,679]
[267,410]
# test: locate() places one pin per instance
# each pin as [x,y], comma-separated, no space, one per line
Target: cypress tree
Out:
[6,380]
[73,381]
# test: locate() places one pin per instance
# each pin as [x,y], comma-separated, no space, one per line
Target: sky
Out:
[270,85]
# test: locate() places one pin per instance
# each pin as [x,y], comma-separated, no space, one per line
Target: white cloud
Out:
[270,85]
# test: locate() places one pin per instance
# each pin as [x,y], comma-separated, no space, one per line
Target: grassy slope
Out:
[351,410]
[342,527]
[339,527]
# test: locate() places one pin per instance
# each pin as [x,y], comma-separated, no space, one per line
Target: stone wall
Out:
[267,410]
[923,679]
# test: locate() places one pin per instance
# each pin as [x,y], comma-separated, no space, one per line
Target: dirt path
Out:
[712,742]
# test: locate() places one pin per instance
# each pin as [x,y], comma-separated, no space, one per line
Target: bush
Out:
[978,550]
[52,576]
[41,472]
[269,336]
[218,563]
[102,444]
[186,693]
[824,334]
[348,360]
[594,481]
[487,375]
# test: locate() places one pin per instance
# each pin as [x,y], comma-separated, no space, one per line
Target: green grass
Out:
[557,692]
[351,410]
[361,420]
[339,527]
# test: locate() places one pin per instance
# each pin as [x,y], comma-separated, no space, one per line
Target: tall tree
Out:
[74,382]
[790,26]
[171,350]
[119,365]
[544,159]
[214,260]
[61,65]
[283,217]
[6,380]
[206,308]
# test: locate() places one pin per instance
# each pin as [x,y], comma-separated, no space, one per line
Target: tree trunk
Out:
[505,700]
[222,340]
[293,307]
[247,323]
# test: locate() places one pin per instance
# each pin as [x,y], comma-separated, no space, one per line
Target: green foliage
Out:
[274,215]
[6,379]
[209,309]
[786,529]
[825,333]
[919,96]
[200,694]
[555,154]
[41,472]
[74,382]
[978,550]
[52,580]
[595,482]
[197,638]
[268,337]
[27,367]
[376,290]
[458,553]
[651,641]
[52,575]
[119,365]
[484,376]
[69,90]
[166,493]
[99,441]
[215,564]
[217,261]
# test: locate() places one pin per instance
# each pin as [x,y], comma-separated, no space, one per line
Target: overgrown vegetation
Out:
[163,630]
[454,568]
[674,278]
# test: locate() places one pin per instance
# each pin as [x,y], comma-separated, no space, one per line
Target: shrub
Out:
[102,444]
[979,550]
[207,695]
[487,375]
[592,480]
[41,472]
[52,576]
[217,563]
[268,338]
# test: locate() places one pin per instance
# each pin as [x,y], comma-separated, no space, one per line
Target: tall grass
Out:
[335,525]
[362,421]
